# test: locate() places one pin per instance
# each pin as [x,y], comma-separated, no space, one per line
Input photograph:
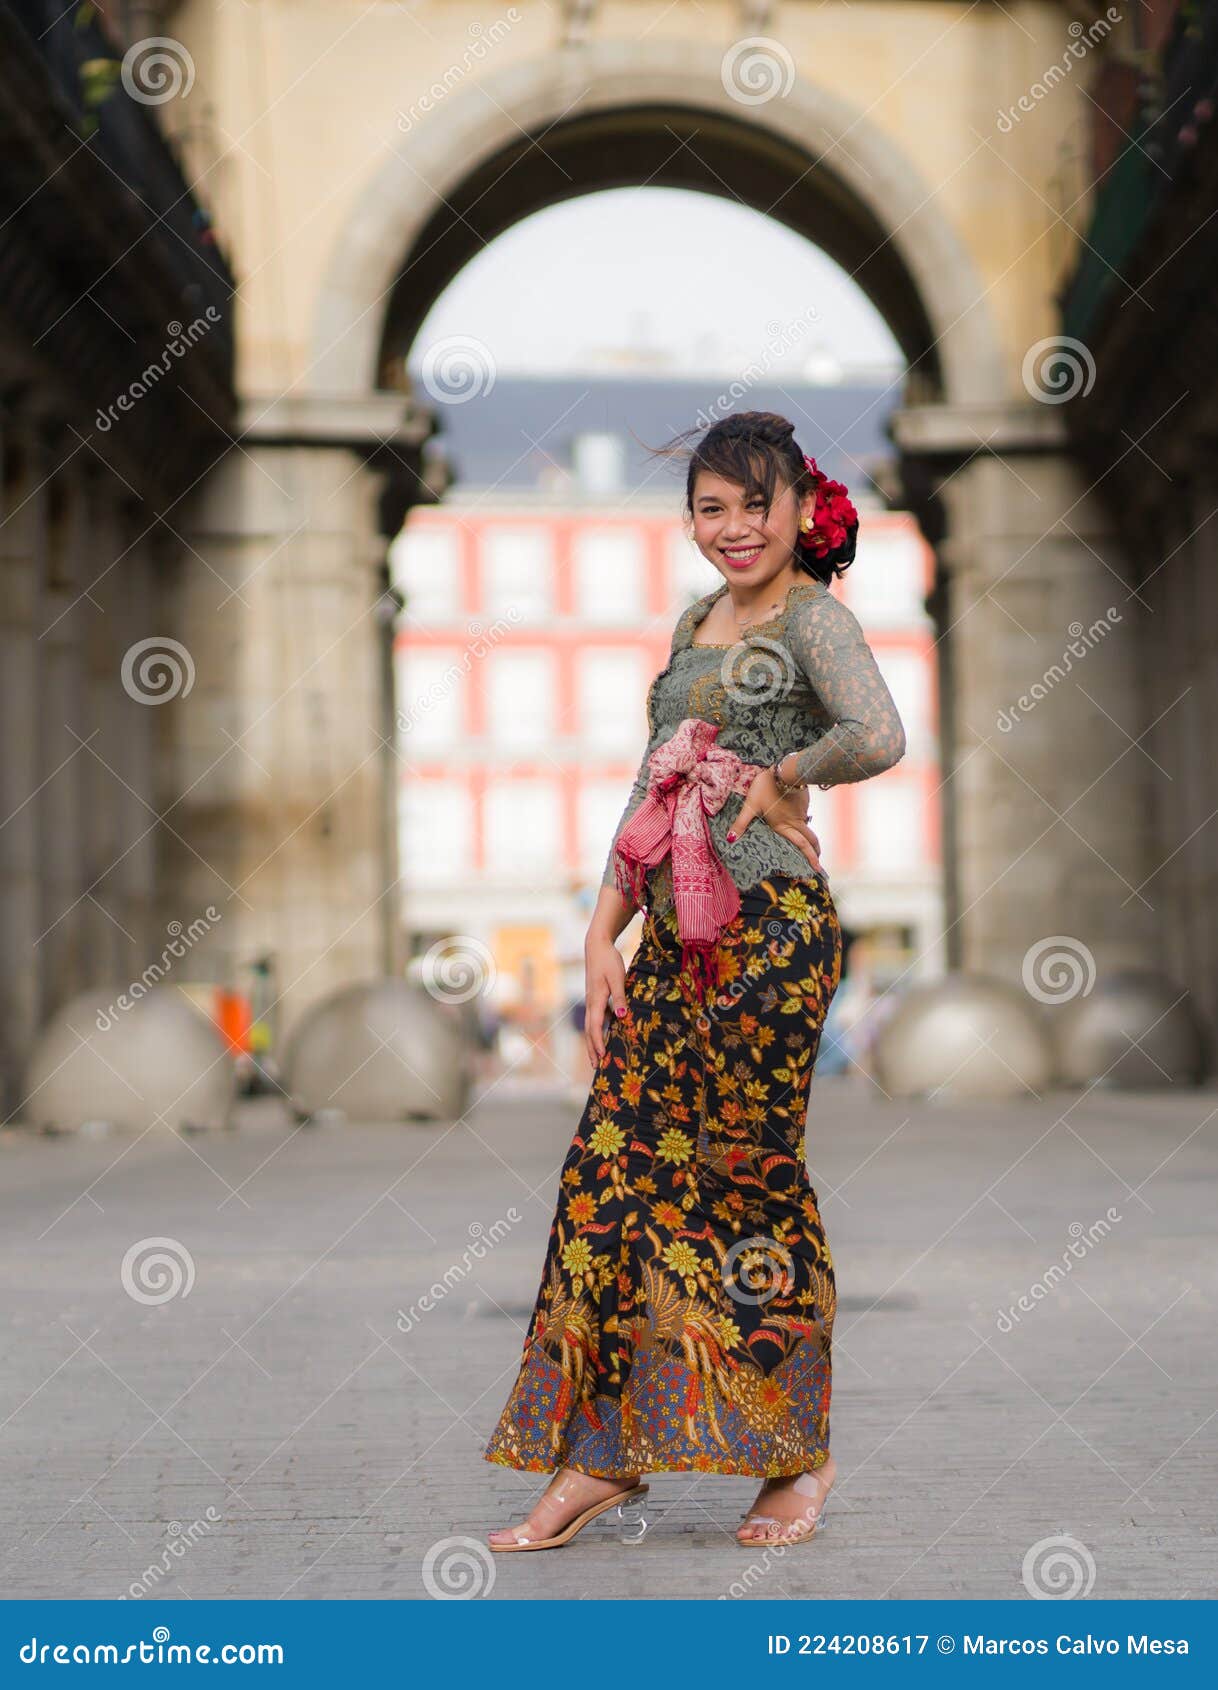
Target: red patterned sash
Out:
[691,778]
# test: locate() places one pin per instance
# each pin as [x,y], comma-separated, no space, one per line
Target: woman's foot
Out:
[790,1508]
[569,1494]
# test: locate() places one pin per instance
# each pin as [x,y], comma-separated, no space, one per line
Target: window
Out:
[908,676]
[425,563]
[599,808]
[689,572]
[518,574]
[609,575]
[890,831]
[435,822]
[885,584]
[522,825]
[611,691]
[430,687]
[598,459]
[520,699]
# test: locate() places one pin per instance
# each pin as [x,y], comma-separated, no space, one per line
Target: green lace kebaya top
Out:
[805,681]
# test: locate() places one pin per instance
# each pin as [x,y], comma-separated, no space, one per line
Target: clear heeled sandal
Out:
[800,1527]
[618,1499]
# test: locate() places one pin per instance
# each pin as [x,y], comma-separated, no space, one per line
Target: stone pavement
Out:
[297,1422]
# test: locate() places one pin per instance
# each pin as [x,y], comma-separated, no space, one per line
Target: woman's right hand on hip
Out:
[604,989]
[790,819]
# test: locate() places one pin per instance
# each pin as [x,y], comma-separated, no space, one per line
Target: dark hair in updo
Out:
[756,450]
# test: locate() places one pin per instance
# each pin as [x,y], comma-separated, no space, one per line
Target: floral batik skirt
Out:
[687,1298]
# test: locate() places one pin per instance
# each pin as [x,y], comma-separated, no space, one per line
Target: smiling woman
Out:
[800,690]
[780,666]
[685,1313]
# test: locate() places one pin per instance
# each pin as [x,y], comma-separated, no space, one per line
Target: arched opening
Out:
[652,112]
[670,146]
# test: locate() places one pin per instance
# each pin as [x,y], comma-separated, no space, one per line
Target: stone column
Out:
[77,840]
[275,761]
[1180,680]
[119,549]
[1050,793]
[20,566]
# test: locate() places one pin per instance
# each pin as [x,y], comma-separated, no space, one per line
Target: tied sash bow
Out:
[691,778]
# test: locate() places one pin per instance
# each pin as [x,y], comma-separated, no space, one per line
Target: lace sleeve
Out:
[866,735]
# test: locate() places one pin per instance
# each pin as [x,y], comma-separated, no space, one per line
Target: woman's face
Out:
[737,536]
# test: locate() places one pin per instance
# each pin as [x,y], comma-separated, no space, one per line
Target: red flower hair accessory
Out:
[832,516]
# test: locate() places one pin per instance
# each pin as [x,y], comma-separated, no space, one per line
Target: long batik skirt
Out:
[687,1298]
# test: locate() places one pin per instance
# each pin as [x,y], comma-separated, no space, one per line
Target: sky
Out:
[665,280]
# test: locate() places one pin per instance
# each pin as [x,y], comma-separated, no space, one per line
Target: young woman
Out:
[687,1298]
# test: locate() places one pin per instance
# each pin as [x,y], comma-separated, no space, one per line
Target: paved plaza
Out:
[273,1401]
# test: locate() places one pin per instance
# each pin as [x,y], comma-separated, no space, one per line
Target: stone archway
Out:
[545,130]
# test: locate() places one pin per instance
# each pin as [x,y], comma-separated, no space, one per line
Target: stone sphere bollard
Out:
[382,1050]
[1133,1029]
[157,1061]
[965,1036]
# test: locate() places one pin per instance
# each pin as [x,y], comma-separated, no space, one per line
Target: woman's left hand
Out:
[787,816]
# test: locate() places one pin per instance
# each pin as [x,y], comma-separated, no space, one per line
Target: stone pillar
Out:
[118,560]
[275,761]
[1050,795]
[20,567]
[76,798]
[63,611]
[1179,584]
